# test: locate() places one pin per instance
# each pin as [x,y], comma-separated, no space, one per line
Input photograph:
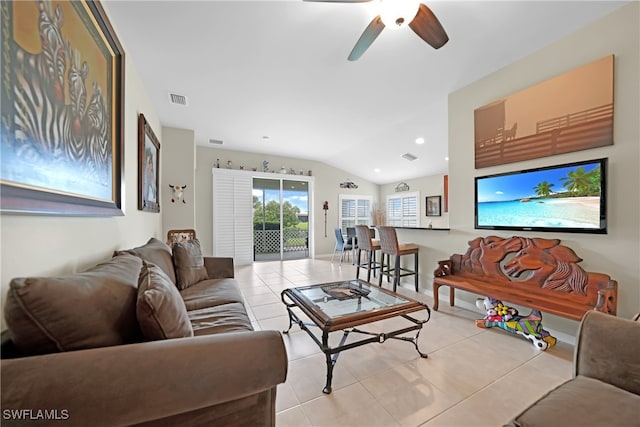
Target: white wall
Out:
[326,187]
[178,168]
[55,245]
[425,186]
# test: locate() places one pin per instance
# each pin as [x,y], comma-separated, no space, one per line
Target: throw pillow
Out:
[156,252]
[96,308]
[160,309]
[189,263]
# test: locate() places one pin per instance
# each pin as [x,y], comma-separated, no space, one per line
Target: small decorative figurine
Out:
[228,164]
[265,166]
[283,169]
[217,163]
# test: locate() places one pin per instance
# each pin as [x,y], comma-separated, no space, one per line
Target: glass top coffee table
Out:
[341,306]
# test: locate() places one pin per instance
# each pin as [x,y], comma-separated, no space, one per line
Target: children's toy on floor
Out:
[508,318]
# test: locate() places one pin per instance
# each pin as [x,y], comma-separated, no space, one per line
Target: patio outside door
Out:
[280,219]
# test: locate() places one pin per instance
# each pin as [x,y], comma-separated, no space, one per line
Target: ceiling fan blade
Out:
[370,33]
[339,1]
[427,26]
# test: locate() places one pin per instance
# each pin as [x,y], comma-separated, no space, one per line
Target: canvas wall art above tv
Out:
[564,198]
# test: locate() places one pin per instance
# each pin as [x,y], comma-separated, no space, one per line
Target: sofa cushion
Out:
[156,252]
[160,309]
[210,293]
[230,317]
[189,263]
[95,308]
[582,401]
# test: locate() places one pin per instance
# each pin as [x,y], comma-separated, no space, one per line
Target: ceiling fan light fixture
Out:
[398,13]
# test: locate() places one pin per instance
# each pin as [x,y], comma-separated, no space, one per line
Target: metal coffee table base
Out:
[332,353]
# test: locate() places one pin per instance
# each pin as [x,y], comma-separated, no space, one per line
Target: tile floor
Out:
[472,377]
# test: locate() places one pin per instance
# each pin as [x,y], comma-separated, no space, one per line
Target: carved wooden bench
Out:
[532,272]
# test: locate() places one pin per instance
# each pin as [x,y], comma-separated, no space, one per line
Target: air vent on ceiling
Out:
[215,141]
[178,99]
[409,157]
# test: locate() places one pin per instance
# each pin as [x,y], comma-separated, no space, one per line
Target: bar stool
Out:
[352,240]
[390,246]
[365,243]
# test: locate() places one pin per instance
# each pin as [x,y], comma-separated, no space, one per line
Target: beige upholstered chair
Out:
[390,247]
[605,387]
[370,246]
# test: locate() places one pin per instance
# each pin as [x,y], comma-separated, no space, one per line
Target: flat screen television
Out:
[564,198]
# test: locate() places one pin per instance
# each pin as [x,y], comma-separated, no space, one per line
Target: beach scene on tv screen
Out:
[563,197]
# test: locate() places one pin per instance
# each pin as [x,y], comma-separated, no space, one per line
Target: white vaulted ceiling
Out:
[251,69]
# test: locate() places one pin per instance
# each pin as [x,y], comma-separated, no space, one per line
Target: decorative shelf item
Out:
[348,184]
[403,186]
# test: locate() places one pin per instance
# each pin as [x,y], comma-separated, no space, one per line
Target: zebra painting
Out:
[59,137]
[62,99]
[97,120]
[39,90]
[73,124]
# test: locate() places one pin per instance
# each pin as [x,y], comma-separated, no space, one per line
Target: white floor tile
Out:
[462,382]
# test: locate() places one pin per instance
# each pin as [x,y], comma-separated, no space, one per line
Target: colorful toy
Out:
[507,318]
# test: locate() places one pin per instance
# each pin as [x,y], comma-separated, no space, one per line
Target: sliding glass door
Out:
[280,219]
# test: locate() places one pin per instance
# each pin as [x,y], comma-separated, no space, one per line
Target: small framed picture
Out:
[148,167]
[433,205]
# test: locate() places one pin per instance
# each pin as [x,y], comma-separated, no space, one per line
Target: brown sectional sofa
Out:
[605,389]
[149,337]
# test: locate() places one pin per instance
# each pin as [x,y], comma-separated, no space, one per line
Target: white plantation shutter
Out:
[403,210]
[354,210]
[232,216]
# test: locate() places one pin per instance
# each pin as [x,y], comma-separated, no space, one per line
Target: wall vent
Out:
[177,99]
[409,157]
[215,141]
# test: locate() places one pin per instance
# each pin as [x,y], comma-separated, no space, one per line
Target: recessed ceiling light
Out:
[377,170]
[420,141]
[447,158]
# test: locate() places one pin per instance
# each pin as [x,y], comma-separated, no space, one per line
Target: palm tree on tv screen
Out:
[579,182]
[543,189]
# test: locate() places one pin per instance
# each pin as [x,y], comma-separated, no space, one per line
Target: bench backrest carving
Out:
[543,263]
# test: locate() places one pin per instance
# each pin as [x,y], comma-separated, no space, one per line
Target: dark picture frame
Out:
[433,205]
[148,167]
[74,164]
